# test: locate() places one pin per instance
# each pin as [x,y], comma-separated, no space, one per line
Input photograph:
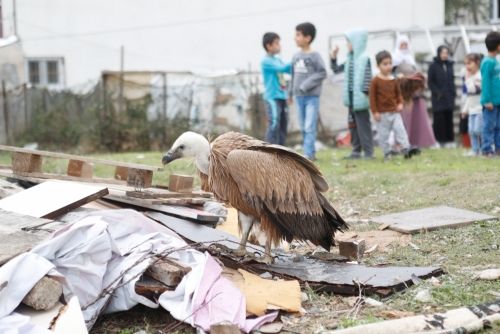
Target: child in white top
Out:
[472,104]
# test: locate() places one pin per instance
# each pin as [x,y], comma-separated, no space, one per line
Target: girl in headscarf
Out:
[415,117]
[403,54]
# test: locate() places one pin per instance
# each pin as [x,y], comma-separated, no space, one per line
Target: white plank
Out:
[52,198]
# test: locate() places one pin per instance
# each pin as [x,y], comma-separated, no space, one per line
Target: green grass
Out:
[365,188]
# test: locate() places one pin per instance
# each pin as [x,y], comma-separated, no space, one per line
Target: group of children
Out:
[362,93]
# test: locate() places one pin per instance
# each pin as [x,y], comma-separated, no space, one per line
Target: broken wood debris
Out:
[150,288]
[167,271]
[353,250]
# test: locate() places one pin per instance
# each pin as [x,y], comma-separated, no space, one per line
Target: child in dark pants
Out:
[355,97]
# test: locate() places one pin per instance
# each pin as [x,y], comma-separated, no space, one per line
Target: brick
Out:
[139,178]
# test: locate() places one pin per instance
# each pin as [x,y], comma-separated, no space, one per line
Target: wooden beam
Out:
[26,162]
[79,168]
[78,157]
[150,288]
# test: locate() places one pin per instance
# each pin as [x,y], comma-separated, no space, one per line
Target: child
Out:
[308,73]
[472,104]
[386,103]
[275,94]
[355,96]
[490,95]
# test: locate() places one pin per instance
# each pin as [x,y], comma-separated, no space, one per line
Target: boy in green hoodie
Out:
[490,95]
[356,85]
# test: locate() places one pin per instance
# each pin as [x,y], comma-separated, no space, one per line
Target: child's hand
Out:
[399,107]
[489,106]
[335,52]
[376,116]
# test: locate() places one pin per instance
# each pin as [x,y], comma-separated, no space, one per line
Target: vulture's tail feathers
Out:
[319,229]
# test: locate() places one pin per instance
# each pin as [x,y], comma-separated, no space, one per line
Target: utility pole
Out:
[14,16]
[120,93]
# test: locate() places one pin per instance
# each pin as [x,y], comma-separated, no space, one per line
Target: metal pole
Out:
[165,88]
[465,38]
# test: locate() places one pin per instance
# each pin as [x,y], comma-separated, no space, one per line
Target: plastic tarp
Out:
[100,256]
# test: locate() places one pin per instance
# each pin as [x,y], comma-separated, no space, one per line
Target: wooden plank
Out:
[25,162]
[78,157]
[177,211]
[430,219]
[80,168]
[155,193]
[51,199]
[180,183]
[41,177]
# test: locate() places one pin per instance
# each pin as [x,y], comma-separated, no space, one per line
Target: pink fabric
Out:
[417,123]
[217,300]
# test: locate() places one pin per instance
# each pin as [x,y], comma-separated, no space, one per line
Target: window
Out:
[46,72]
[34,72]
[495,11]
[52,72]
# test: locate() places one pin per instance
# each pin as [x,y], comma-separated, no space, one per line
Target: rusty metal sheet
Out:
[341,278]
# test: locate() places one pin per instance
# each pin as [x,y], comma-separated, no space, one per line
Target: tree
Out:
[463,11]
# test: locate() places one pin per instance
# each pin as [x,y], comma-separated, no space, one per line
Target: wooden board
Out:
[177,211]
[51,199]
[429,219]
[79,157]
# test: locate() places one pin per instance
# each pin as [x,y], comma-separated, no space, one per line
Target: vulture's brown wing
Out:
[204,181]
[317,177]
[278,181]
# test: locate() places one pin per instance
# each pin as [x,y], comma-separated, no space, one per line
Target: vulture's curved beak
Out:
[170,156]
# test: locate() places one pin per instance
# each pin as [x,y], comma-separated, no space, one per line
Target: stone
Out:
[44,295]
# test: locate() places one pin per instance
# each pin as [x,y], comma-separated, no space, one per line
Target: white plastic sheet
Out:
[103,254]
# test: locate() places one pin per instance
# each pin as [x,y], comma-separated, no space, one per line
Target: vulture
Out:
[268,184]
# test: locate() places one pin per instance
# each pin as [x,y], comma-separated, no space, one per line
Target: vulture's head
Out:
[188,145]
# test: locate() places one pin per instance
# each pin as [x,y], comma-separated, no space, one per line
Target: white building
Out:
[68,43]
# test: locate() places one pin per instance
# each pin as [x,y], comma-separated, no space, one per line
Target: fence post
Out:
[5,112]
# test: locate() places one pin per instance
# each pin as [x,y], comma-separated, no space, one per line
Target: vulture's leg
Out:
[246,223]
[268,258]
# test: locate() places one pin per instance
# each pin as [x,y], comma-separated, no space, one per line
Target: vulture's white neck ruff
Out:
[202,161]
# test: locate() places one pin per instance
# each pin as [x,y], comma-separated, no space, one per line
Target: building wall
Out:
[199,35]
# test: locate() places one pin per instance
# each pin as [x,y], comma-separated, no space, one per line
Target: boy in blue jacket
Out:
[490,95]
[275,92]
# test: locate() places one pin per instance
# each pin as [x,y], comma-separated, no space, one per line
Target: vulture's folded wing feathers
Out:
[279,182]
[316,176]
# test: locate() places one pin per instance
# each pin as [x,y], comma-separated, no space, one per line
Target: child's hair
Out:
[492,40]
[382,55]
[269,38]
[307,29]
[474,57]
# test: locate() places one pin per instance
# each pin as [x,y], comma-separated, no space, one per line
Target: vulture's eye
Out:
[181,147]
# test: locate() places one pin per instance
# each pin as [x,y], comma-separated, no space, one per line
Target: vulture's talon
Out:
[240,252]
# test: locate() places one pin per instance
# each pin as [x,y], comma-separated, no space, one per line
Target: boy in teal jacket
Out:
[275,92]
[490,95]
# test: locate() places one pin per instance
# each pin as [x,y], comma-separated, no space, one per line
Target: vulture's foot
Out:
[241,251]
[267,259]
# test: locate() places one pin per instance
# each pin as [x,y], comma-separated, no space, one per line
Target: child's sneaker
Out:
[387,156]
